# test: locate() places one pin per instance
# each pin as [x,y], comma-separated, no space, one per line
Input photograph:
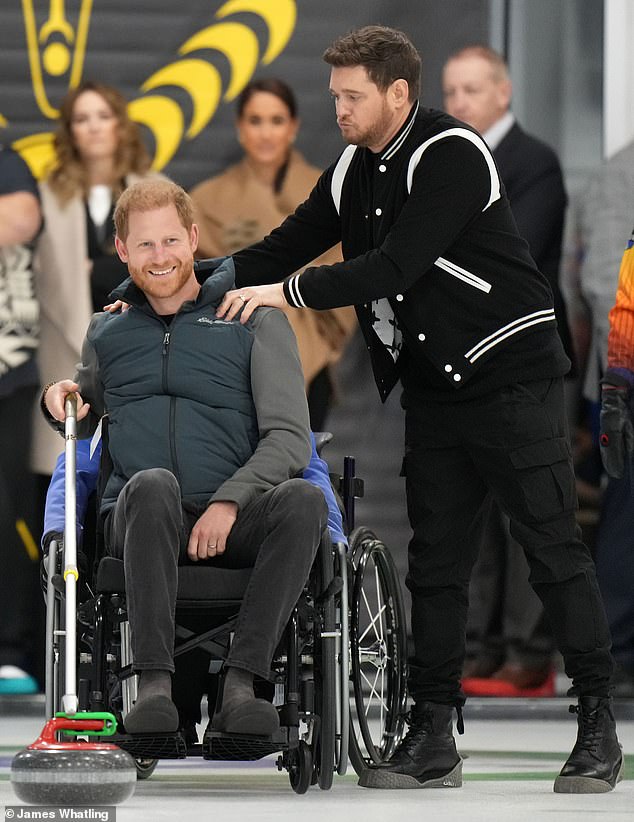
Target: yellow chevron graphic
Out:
[159,112]
[237,42]
[164,118]
[202,82]
[279,15]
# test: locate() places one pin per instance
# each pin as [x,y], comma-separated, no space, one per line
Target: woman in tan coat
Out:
[98,153]
[250,199]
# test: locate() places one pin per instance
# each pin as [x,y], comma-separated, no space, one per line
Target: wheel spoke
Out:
[379,599]
[373,620]
[382,702]
[368,610]
[373,691]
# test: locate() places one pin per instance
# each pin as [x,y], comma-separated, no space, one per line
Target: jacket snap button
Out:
[399,298]
[378,212]
[382,167]
[448,368]
[457,377]
[421,337]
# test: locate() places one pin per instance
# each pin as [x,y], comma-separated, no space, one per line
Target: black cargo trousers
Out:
[514,445]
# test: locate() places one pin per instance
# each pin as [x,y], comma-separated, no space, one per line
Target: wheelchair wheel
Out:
[378,642]
[144,767]
[300,767]
[325,673]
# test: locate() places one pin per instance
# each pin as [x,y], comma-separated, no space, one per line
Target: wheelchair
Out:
[338,677]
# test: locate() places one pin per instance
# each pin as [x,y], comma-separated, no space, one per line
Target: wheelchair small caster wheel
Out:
[300,767]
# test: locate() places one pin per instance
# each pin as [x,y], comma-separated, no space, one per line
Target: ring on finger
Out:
[242,297]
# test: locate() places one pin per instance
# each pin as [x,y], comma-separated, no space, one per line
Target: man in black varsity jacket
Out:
[451,304]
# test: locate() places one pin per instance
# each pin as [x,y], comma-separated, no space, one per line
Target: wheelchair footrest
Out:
[152,746]
[246,748]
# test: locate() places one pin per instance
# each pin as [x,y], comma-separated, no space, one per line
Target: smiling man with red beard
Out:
[158,246]
[208,428]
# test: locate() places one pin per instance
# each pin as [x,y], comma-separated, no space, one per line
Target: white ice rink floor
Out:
[509,767]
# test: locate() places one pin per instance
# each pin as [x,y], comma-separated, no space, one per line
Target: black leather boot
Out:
[596,762]
[426,757]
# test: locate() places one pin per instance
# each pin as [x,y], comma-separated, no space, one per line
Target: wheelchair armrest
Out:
[335,587]
[322,438]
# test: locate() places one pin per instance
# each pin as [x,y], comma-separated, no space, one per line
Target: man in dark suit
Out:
[510,649]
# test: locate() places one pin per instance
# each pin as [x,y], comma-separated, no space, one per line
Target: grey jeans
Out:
[277,535]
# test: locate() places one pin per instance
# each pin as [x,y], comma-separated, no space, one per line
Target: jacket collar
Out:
[498,131]
[219,280]
[397,141]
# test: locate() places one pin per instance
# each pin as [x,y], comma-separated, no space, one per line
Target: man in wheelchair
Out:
[208,431]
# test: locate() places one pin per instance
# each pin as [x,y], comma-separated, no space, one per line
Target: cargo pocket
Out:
[545,476]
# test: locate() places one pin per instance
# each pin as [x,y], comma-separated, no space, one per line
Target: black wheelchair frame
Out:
[339,673]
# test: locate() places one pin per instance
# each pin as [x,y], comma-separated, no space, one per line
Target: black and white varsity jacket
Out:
[432,257]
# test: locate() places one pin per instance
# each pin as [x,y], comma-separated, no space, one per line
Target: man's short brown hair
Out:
[386,54]
[147,195]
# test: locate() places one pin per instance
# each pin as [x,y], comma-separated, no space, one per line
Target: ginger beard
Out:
[162,281]
[159,252]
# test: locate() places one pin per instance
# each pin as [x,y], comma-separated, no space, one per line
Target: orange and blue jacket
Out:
[621,336]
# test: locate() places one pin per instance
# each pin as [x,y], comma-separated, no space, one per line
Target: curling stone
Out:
[72,773]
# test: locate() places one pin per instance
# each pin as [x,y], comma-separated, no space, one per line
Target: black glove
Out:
[617,431]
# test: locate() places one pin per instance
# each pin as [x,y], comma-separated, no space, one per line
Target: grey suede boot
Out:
[153,711]
[241,712]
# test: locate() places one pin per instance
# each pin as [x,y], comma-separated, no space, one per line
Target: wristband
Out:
[47,414]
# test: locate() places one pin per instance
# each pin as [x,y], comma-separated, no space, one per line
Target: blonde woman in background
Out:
[99,151]
[251,198]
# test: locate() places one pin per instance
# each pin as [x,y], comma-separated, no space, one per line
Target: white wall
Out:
[555,55]
[618,76]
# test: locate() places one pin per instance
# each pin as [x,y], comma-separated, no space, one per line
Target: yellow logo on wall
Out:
[57,50]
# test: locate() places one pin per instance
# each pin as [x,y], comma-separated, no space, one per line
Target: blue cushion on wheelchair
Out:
[195,582]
